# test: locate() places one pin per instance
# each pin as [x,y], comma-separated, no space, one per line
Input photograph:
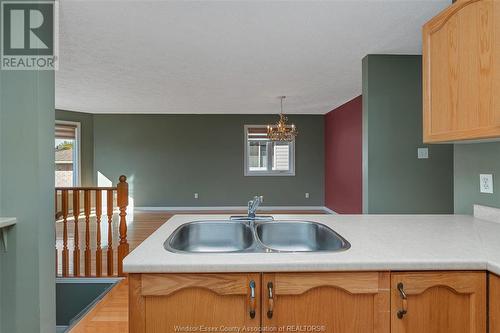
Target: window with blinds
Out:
[66,154]
[264,157]
[65,131]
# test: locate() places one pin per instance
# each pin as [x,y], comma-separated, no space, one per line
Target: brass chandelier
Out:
[282,131]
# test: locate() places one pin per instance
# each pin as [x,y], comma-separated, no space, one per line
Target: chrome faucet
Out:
[253,205]
[251,217]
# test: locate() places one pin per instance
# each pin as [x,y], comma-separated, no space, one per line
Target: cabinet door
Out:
[438,302]
[326,302]
[494,308]
[461,72]
[164,303]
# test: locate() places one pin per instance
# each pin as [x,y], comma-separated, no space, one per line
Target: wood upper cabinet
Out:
[332,302]
[163,303]
[461,72]
[438,302]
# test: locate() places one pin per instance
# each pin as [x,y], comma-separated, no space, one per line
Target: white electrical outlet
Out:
[422,153]
[486,183]
[307,195]
[196,195]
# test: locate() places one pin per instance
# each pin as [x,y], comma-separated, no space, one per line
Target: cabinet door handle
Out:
[404,310]
[252,299]
[270,300]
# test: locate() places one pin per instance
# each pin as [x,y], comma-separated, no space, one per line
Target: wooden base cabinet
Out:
[336,302]
[438,302]
[168,303]
[494,303]
[326,302]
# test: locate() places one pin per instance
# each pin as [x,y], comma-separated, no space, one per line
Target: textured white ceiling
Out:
[226,56]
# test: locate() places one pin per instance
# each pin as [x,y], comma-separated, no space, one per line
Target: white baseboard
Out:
[233,208]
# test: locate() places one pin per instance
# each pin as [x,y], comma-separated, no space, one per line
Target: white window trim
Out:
[279,173]
[77,175]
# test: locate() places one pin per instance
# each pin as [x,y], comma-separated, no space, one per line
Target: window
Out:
[67,154]
[264,157]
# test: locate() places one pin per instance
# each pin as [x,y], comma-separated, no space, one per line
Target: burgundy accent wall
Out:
[343,158]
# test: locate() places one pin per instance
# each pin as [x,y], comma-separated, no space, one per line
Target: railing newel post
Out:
[122,199]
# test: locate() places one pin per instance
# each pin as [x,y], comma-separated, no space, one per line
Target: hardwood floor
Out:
[110,315]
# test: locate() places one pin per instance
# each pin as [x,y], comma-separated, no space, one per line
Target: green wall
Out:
[86,121]
[471,160]
[170,157]
[27,290]
[394,180]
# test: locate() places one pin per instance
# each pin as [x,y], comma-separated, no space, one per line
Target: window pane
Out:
[64,162]
[257,155]
[281,156]
[265,157]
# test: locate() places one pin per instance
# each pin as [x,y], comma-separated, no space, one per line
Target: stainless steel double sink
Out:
[240,236]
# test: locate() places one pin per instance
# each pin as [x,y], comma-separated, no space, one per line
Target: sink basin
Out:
[217,236]
[210,236]
[300,236]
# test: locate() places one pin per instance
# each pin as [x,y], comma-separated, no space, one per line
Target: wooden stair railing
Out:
[96,193]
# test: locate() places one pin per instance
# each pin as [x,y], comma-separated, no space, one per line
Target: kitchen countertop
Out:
[378,242]
[7,221]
